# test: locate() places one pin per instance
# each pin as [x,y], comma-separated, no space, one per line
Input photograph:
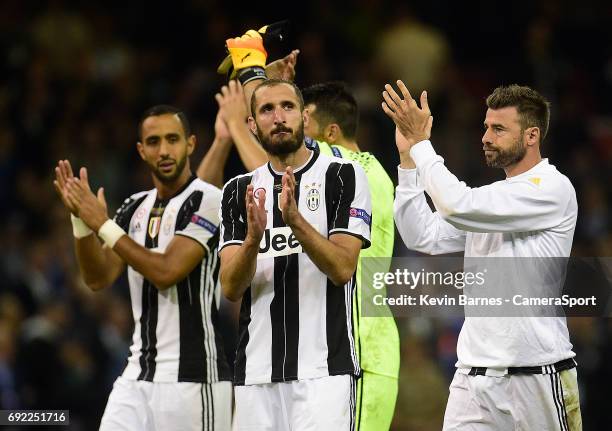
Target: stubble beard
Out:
[170,178]
[509,157]
[283,146]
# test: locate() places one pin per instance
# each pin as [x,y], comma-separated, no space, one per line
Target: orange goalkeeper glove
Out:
[247,54]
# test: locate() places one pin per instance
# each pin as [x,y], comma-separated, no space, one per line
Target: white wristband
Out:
[79,228]
[110,232]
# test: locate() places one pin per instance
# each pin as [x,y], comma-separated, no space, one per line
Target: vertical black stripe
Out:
[148,318]
[233,209]
[339,194]
[207,397]
[211,407]
[243,339]
[339,355]
[223,370]
[203,407]
[277,306]
[562,400]
[356,317]
[284,308]
[556,400]
[359,398]
[292,302]
[192,356]
[189,207]
[346,182]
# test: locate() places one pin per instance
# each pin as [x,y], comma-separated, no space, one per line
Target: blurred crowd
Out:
[75,76]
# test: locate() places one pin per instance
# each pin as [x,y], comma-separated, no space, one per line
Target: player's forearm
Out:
[504,206]
[331,259]
[237,273]
[406,161]
[153,266]
[93,262]
[249,89]
[249,150]
[420,228]
[211,166]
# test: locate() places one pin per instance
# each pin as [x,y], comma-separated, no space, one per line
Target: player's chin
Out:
[492,161]
[166,175]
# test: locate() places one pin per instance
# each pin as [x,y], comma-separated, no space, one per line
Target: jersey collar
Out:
[314,155]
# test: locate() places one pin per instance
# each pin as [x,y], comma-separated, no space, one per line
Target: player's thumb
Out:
[429,125]
[101,197]
[84,178]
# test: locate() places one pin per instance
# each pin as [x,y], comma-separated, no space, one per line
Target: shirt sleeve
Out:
[422,229]
[233,223]
[513,205]
[350,205]
[127,209]
[201,219]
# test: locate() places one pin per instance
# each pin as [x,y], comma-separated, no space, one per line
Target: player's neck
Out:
[168,190]
[528,162]
[295,160]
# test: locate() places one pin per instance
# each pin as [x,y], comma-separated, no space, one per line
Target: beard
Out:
[502,158]
[284,144]
[169,178]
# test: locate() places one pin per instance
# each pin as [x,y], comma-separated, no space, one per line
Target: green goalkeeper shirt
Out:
[378,337]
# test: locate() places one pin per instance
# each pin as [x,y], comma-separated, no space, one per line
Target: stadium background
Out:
[75,76]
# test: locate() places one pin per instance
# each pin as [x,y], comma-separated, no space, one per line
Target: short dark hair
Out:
[273,83]
[335,104]
[532,107]
[158,110]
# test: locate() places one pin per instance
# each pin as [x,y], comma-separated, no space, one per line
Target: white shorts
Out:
[137,405]
[542,402]
[323,404]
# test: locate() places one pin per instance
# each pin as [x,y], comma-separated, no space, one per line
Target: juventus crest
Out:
[313,196]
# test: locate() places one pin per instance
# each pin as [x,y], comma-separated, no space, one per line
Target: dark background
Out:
[75,77]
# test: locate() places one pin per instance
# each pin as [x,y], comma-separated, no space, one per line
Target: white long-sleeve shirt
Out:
[529,215]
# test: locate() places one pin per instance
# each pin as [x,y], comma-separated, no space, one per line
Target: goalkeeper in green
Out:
[333,119]
[331,126]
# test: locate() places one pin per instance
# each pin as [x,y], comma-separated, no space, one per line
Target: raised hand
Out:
[256,214]
[414,123]
[222,134]
[232,106]
[288,205]
[283,68]
[89,208]
[63,172]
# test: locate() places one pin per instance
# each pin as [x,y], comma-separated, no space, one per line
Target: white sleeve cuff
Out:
[408,184]
[422,153]
[407,178]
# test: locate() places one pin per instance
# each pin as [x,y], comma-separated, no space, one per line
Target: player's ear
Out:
[532,135]
[191,143]
[306,117]
[252,125]
[332,133]
[140,149]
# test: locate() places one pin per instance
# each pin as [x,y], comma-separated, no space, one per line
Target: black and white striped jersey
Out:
[294,323]
[176,333]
